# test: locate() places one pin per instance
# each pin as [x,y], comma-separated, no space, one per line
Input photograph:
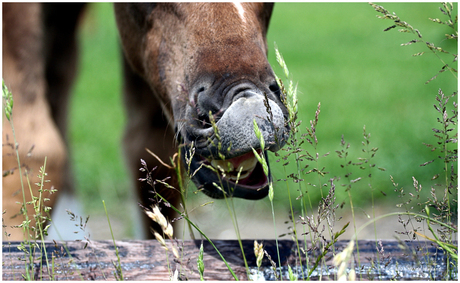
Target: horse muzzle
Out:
[221,161]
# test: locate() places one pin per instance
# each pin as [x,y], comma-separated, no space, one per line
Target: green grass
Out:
[97,115]
[341,57]
[338,54]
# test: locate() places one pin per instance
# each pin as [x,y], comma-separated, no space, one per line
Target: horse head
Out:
[207,64]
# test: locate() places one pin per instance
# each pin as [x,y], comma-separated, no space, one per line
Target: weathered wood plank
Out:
[148,260]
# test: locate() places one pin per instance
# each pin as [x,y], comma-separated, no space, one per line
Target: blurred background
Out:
[339,56]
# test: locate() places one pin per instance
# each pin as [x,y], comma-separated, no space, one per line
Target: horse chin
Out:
[241,177]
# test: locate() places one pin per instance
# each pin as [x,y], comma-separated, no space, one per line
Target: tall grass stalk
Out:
[261,158]
[233,217]
[365,164]
[42,219]
[229,203]
[41,212]
[118,273]
[206,237]
[149,180]
[8,107]
[289,99]
[26,246]
[446,135]
[183,186]
[200,263]
[343,153]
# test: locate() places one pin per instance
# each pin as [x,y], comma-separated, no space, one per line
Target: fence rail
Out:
[148,260]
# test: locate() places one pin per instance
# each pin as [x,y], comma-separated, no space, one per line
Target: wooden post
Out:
[148,260]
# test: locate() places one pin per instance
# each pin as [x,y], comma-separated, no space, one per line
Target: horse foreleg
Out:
[147,128]
[35,132]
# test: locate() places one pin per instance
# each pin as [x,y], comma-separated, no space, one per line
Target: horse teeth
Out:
[242,176]
[247,165]
[224,164]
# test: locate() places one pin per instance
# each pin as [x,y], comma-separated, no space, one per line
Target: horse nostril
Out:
[208,103]
[274,87]
[204,119]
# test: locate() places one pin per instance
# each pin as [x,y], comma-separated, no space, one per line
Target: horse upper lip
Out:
[235,130]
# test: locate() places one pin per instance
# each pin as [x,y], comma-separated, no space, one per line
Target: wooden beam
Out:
[148,260]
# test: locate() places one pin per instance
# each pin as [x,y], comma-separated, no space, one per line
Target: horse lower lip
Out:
[217,184]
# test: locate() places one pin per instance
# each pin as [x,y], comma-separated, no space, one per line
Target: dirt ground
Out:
[254,218]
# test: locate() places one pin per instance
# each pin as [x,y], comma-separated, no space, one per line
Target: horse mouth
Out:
[243,170]
[242,176]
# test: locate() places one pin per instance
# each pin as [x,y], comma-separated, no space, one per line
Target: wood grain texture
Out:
[148,260]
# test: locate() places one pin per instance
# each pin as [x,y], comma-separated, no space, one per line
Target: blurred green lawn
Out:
[340,57]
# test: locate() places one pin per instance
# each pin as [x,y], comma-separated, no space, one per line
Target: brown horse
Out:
[196,76]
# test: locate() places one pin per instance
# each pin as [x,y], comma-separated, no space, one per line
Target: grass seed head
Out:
[259,253]
[159,218]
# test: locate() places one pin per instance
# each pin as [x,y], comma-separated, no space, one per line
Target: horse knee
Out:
[22,178]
